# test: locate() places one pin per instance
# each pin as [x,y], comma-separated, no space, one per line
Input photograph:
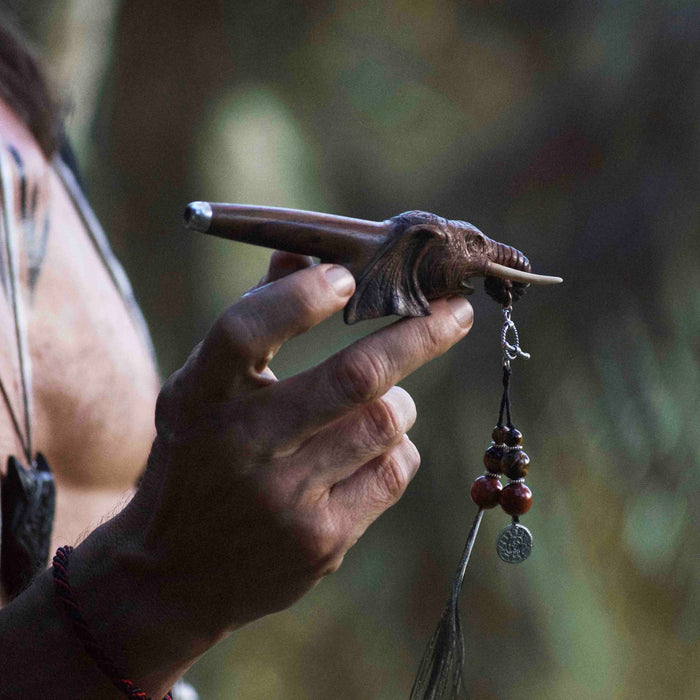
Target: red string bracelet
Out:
[92,646]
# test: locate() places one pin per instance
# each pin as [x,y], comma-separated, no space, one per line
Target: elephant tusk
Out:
[508,273]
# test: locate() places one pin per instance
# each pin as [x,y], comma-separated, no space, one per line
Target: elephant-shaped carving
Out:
[400,264]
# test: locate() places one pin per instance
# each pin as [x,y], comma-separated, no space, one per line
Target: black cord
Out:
[505,400]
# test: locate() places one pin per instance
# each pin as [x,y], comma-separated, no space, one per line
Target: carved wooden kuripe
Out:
[399,264]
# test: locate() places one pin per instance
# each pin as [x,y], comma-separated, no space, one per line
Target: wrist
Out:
[135,610]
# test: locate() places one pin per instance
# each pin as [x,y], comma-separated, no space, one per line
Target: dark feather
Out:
[440,671]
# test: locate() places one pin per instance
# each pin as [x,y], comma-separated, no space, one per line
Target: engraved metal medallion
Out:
[514,543]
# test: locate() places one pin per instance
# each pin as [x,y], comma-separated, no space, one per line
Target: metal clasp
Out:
[511,351]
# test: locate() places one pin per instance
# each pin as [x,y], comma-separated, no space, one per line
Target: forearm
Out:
[135,619]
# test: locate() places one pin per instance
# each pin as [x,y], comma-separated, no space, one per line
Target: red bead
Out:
[492,459]
[498,435]
[516,498]
[513,437]
[486,491]
[515,464]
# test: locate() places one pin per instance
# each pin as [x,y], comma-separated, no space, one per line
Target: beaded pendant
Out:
[440,672]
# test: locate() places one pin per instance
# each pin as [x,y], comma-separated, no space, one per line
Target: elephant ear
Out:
[390,284]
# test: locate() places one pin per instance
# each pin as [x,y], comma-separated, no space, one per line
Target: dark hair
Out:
[26,90]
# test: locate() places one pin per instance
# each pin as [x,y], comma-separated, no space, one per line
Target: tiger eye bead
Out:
[515,464]
[499,434]
[513,437]
[485,491]
[516,498]
[493,457]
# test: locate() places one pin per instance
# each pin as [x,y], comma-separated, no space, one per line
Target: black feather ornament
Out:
[440,672]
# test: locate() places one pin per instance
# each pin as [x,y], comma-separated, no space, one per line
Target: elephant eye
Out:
[475,243]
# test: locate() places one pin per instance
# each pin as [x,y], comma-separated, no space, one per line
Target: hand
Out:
[268,483]
[256,488]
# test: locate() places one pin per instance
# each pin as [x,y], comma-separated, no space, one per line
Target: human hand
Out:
[256,488]
[271,482]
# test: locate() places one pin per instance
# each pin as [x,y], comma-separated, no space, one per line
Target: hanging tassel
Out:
[441,668]
[440,672]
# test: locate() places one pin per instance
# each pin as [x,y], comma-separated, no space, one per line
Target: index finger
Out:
[247,335]
[365,370]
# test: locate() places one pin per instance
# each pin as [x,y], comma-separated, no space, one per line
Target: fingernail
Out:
[462,311]
[341,280]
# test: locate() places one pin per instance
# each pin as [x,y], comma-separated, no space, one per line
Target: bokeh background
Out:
[567,129]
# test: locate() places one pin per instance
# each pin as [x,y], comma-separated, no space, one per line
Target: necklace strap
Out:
[15,294]
[103,249]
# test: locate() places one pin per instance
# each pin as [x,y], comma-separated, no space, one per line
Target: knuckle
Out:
[326,563]
[177,395]
[407,406]
[392,479]
[359,376]
[235,333]
[411,457]
[382,422]
[168,391]
[331,565]
[431,341]
[168,401]
[322,546]
[305,308]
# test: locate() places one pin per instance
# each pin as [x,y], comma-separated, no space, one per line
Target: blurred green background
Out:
[569,130]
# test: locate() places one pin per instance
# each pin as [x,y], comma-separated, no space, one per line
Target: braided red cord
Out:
[92,646]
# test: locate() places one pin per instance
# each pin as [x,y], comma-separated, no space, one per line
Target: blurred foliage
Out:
[567,129]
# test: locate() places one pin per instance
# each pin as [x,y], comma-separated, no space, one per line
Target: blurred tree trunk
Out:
[144,131]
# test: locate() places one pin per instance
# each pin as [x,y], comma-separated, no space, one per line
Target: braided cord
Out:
[92,646]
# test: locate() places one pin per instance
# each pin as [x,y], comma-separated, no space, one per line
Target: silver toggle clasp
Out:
[511,351]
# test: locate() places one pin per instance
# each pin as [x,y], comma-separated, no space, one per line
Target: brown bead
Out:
[485,491]
[513,437]
[515,464]
[498,434]
[492,459]
[516,498]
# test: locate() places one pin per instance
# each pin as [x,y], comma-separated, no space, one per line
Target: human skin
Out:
[255,487]
[94,383]
[255,490]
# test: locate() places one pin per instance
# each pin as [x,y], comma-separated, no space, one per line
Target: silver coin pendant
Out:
[514,543]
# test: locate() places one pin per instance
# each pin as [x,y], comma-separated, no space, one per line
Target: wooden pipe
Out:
[399,264]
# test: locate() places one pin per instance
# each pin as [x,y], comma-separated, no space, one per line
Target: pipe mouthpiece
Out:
[198,216]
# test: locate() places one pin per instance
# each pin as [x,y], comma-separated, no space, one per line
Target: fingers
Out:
[283,264]
[246,337]
[339,450]
[361,498]
[365,370]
